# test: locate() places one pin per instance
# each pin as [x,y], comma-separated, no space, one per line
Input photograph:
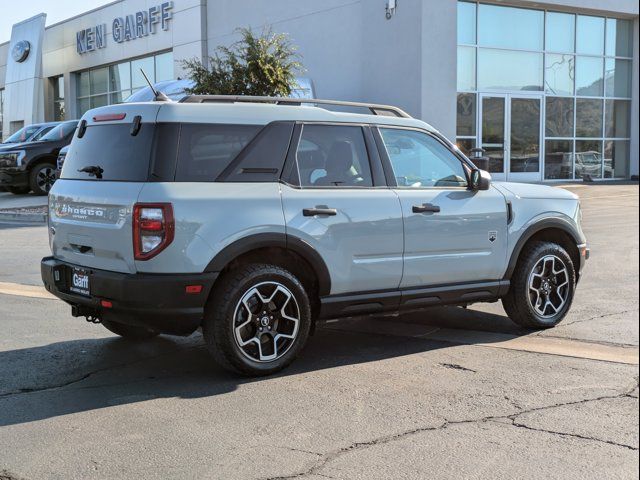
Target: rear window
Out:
[206,150]
[120,155]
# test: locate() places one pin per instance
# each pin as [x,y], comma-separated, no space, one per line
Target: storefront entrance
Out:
[510,132]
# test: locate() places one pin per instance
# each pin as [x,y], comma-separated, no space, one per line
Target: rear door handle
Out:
[312,212]
[426,208]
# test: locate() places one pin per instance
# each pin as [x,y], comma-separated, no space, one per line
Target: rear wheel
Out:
[542,286]
[257,320]
[131,332]
[42,178]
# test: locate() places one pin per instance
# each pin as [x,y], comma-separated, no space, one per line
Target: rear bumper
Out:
[156,301]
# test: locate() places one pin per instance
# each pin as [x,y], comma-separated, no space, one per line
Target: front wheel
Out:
[42,178]
[542,286]
[257,320]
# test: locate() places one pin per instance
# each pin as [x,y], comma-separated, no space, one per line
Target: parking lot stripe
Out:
[525,343]
[24,290]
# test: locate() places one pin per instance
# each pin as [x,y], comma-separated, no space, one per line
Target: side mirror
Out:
[480,180]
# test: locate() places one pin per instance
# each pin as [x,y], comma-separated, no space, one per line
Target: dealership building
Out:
[549,89]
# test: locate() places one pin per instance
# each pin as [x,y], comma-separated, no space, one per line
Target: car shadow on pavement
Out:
[85,375]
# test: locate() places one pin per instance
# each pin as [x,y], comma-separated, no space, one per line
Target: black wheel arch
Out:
[262,242]
[550,229]
[40,159]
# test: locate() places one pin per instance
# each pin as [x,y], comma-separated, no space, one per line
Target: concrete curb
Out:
[15,217]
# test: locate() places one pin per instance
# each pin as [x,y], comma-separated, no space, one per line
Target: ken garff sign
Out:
[123,29]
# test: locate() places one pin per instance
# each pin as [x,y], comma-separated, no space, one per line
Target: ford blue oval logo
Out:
[20,51]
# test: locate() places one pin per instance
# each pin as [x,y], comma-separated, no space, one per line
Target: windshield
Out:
[59,132]
[23,135]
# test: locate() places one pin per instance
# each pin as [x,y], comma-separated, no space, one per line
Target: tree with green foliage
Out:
[263,65]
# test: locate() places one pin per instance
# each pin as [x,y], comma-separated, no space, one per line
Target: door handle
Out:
[312,212]
[426,208]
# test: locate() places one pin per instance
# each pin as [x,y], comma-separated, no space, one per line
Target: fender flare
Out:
[281,240]
[531,230]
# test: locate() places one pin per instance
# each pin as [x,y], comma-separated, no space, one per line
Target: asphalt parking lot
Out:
[446,393]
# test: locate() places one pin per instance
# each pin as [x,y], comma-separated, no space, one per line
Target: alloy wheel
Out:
[45,178]
[266,321]
[549,286]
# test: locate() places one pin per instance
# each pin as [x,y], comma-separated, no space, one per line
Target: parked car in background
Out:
[60,161]
[31,133]
[31,166]
[177,90]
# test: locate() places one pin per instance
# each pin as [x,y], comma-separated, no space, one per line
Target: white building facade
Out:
[549,89]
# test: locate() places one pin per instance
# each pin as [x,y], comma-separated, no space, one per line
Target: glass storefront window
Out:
[588,158]
[465,145]
[164,67]
[560,32]
[510,27]
[559,117]
[581,65]
[619,42]
[588,118]
[466,68]
[559,71]
[617,118]
[114,83]
[590,35]
[466,114]
[617,78]
[616,158]
[589,81]
[137,79]
[466,23]
[120,77]
[509,70]
[558,159]
[99,80]
[58,98]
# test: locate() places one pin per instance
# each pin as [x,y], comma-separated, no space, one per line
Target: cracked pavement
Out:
[79,403]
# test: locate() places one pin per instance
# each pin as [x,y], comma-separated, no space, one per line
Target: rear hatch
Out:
[91,205]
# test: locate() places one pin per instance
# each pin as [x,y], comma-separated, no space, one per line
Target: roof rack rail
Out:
[375,109]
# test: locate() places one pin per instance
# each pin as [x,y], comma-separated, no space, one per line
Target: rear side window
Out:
[112,148]
[333,156]
[206,150]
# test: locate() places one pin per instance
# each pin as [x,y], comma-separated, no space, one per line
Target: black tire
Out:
[220,320]
[42,178]
[519,302]
[131,332]
[19,190]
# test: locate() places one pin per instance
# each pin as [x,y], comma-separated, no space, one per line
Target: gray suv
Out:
[253,218]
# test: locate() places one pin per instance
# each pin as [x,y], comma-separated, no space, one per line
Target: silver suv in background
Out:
[255,217]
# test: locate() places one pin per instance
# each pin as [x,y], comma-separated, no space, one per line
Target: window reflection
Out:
[589,81]
[466,68]
[588,158]
[466,114]
[617,78]
[588,118]
[559,72]
[509,27]
[617,118]
[616,158]
[508,70]
[466,23]
[590,35]
[560,32]
[619,38]
[558,159]
[559,117]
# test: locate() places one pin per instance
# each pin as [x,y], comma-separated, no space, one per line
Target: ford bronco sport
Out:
[255,217]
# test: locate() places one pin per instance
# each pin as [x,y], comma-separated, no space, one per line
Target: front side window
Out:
[419,160]
[333,156]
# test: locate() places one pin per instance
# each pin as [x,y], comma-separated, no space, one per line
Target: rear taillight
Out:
[153,229]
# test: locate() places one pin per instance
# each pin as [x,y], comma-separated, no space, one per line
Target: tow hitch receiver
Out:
[91,315]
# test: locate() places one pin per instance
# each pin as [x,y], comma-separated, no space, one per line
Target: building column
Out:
[634,154]
[24,85]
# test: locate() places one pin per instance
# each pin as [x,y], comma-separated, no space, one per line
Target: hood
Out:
[20,146]
[528,190]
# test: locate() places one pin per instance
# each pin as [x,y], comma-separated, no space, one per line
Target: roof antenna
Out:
[157,96]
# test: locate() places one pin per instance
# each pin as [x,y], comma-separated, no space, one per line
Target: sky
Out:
[14,11]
